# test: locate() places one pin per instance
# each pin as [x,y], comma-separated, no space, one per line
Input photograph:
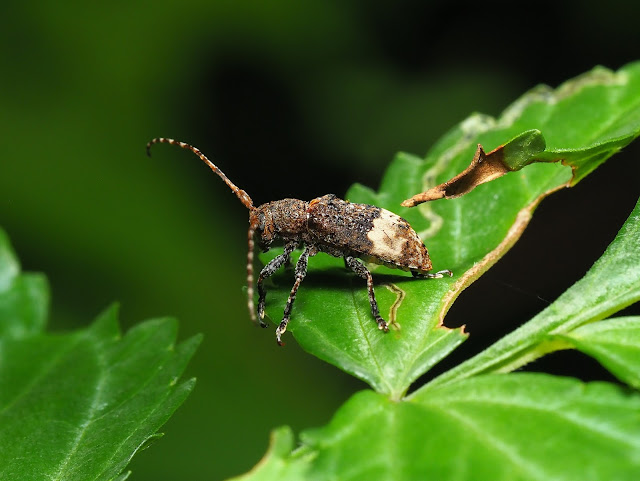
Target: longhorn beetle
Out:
[325,224]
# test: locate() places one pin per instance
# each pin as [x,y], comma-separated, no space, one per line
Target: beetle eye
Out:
[261,222]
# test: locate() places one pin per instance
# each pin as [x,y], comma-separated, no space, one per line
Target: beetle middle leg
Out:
[267,271]
[359,268]
[301,272]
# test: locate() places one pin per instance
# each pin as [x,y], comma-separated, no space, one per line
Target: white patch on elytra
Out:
[387,244]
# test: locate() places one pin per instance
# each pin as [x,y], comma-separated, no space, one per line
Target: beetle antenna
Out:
[250,304]
[241,194]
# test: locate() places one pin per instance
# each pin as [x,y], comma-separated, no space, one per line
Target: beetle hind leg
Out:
[359,268]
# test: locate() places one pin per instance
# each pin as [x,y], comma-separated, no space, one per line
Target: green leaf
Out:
[603,109]
[79,405]
[279,463]
[24,299]
[516,427]
[612,284]
[588,119]
[615,343]
[519,151]
[584,121]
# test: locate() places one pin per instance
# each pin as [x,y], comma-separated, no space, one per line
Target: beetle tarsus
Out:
[431,275]
[382,324]
[440,274]
[280,330]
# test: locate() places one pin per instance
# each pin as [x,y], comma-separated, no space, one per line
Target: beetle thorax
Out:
[284,219]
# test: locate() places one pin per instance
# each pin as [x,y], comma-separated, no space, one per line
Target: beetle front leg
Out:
[267,271]
[359,268]
[301,272]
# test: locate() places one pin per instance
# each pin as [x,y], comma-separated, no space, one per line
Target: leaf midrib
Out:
[93,408]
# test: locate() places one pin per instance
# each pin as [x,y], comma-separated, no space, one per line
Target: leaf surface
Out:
[615,343]
[279,463]
[24,298]
[515,427]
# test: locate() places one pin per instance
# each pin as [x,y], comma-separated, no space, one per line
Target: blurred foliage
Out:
[290,99]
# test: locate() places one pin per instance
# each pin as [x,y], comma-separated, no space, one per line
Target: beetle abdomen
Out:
[369,232]
[396,243]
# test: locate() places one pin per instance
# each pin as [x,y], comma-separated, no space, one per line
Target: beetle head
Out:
[261,219]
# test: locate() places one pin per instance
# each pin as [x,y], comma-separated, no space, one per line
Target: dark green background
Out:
[291,99]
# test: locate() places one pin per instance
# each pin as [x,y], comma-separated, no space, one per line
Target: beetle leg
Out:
[359,268]
[429,275]
[267,271]
[301,272]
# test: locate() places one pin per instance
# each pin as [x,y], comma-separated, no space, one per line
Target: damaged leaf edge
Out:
[514,233]
[514,155]
[522,150]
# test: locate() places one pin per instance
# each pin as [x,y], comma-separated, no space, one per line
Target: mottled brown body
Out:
[342,228]
[325,224]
